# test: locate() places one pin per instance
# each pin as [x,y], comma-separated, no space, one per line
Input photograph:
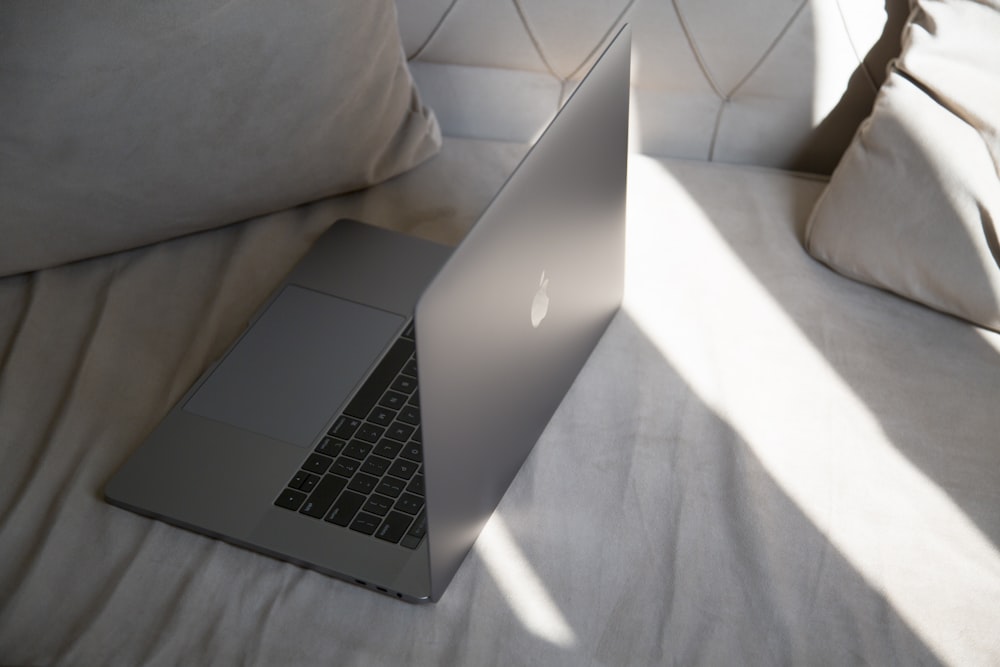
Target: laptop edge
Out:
[542,270]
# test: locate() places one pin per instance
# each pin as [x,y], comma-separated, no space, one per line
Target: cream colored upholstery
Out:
[775,83]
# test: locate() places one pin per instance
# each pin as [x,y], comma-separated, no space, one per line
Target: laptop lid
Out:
[531,289]
[512,316]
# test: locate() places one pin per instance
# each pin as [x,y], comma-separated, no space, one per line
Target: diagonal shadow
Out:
[830,137]
[901,360]
[674,542]
[908,364]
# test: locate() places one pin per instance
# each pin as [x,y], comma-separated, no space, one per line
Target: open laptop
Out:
[318,439]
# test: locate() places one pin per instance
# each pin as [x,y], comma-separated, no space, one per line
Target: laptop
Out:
[376,409]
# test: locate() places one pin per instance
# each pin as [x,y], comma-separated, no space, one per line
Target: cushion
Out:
[130,122]
[914,204]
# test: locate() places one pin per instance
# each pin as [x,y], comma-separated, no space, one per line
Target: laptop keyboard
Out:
[366,472]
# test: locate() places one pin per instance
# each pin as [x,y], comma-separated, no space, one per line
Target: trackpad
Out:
[295,366]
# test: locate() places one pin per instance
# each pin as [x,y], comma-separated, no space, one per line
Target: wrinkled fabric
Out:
[761,463]
[127,123]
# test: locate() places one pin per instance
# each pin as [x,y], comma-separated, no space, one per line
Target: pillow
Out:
[914,204]
[131,121]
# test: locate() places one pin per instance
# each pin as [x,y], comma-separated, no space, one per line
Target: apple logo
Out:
[540,304]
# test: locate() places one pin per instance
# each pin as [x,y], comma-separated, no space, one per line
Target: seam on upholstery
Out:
[534,40]
[767,52]
[433,33]
[689,36]
[715,129]
[863,66]
[604,38]
[812,177]
[723,99]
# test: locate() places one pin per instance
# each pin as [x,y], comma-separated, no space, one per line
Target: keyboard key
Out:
[345,466]
[344,427]
[413,451]
[390,486]
[309,483]
[363,483]
[399,431]
[323,495]
[410,414]
[317,463]
[357,449]
[416,485]
[290,499]
[299,478]
[388,448]
[345,508]
[366,523]
[378,505]
[394,527]
[354,478]
[370,432]
[404,384]
[330,446]
[410,503]
[393,400]
[416,532]
[381,416]
[375,465]
[403,468]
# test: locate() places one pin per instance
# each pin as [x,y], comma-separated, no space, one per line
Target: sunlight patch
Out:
[881,512]
[520,585]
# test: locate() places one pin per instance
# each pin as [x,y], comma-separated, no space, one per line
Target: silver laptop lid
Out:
[508,322]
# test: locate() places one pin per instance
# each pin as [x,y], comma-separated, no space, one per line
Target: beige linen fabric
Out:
[913,206]
[815,485]
[782,83]
[126,123]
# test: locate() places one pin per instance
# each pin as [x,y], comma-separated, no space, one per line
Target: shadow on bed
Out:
[900,358]
[681,507]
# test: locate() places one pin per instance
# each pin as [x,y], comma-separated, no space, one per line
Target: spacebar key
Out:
[379,380]
[323,496]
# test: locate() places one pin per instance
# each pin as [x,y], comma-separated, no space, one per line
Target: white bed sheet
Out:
[762,463]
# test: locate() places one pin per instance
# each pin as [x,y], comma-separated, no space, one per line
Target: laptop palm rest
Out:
[295,365]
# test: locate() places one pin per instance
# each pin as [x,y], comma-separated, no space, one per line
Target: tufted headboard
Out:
[780,83]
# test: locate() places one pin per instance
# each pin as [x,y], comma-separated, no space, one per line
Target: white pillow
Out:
[130,121]
[914,205]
